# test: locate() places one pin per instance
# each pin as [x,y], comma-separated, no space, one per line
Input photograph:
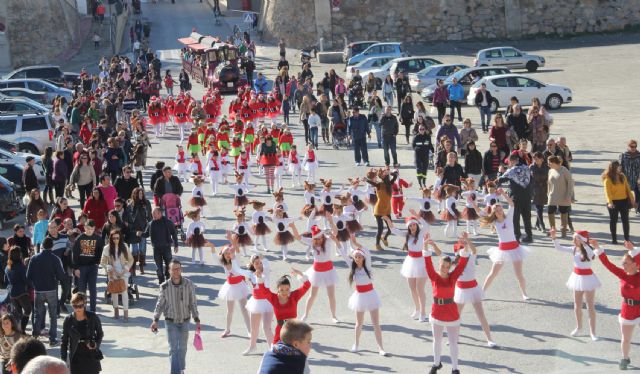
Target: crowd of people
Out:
[100,150]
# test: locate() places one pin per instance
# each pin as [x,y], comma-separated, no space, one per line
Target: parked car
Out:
[20,104]
[20,159]
[411,64]
[39,85]
[10,202]
[466,77]
[503,87]
[32,131]
[8,146]
[367,65]
[394,49]
[13,173]
[509,57]
[355,48]
[40,97]
[51,73]
[431,74]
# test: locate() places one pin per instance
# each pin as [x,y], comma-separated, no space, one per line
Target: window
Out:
[37,86]
[388,48]
[46,73]
[526,82]
[374,50]
[490,72]
[8,126]
[510,52]
[501,82]
[414,65]
[5,107]
[493,53]
[16,84]
[34,124]
[20,107]
[20,74]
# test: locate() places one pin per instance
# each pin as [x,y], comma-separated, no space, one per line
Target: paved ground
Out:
[533,336]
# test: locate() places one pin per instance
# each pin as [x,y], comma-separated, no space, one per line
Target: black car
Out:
[10,202]
[13,173]
[51,73]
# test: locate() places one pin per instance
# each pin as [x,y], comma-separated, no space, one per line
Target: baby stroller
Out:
[339,136]
[170,204]
[356,95]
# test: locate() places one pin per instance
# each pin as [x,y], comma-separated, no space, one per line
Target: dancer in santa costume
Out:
[397,195]
[294,166]
[582,280]
[180,117]
[243,166]
[364,298]
[258,305]
[444,311]
[213,166]
[181,163]
[310,164]
[154,111]
[629,315]
[508,249]
[321,273]
[413,265]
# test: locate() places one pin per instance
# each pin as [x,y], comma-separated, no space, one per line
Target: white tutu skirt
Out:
[434,321]
[413,267]
[322,278]
[623,321]
[180,168]
[310,165]
[578,282]
[511,255]
[259,306]
[364,301]
[231,292]
[294,167]
[468,295]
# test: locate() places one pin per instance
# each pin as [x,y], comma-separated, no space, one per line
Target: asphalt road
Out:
[533,336]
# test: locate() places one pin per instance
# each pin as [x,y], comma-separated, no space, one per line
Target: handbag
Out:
[116,286]
[197,341]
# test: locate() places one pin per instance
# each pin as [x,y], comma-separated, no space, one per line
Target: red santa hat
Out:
[583,235]
[153,98]
[316,232]
[458,247]
[411,219]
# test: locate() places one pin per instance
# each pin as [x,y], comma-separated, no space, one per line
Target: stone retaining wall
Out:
[417,21]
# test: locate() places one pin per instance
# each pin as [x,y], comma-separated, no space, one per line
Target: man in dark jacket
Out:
[156,174]
[359,130]
[169,183]
[483,102]
[389,129]
[402,88]
[44,272]
[125,183]
[85,258]
[517,121]
[29,178]
[163,236]
[249,67]
[519,178]
[289,355]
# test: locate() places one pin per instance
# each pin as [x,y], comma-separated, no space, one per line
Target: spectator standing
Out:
[519,178]
[619,199]
[314,122]
[441,100]
[358,131]
[177,302]
[139,210]
[44,272]
[402,89]
[85,258]
[117,260]
[29,178]
[630,163]
[473,163]
[16,277]
[422,151]
[407,113]
[456,97]
[96,208]
[60,174]
[125,183]
[389,128]
[163,236]
[62,250]
[483,102]
[81,338]
[559,190]
[539,177]
[169,183]
[449,130]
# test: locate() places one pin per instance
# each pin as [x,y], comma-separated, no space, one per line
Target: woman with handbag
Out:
[81,338]
[117,260]
[140,212]
[619,199]
[16,278]
[375,113]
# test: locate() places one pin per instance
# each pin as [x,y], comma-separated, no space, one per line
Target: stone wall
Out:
[417,21]
[39,30]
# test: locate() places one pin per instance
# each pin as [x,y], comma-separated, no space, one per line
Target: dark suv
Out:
[51,73]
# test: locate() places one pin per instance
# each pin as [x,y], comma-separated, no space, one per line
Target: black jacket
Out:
[162,233]
[176,186]
[422,145]
[518,124]
[452,175]
[71,335]
[406,113]
[389,126]
[125,186]
[478,99]
[154,177]
[487,167]
[473,162]
[87,250]
[402,87]
[29,178]
[45,270]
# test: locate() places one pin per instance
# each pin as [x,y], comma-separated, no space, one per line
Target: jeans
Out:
[389,144]
[139,247]
[66,290]
[51,298]
[85,192]
[388,98]
[442,110]
[170,91]
[313,136]
[161,254]
[305,124]
[485,117]
[455,105]
[88,277]
[178,337]
[360,150]
[376,126]
[522,207]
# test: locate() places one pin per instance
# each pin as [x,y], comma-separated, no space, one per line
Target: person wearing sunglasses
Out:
[81,338]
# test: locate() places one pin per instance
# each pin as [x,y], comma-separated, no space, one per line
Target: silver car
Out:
[30,130]
[39,85]
[431,74]
[509,57]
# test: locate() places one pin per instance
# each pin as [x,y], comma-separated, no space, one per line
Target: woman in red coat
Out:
[96,208]
[629,315]
[285,301]
[444,311]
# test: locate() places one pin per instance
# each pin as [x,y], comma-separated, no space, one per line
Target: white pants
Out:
[214,178]
[295,176]
[124,295]
[452,335]
[200,254]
